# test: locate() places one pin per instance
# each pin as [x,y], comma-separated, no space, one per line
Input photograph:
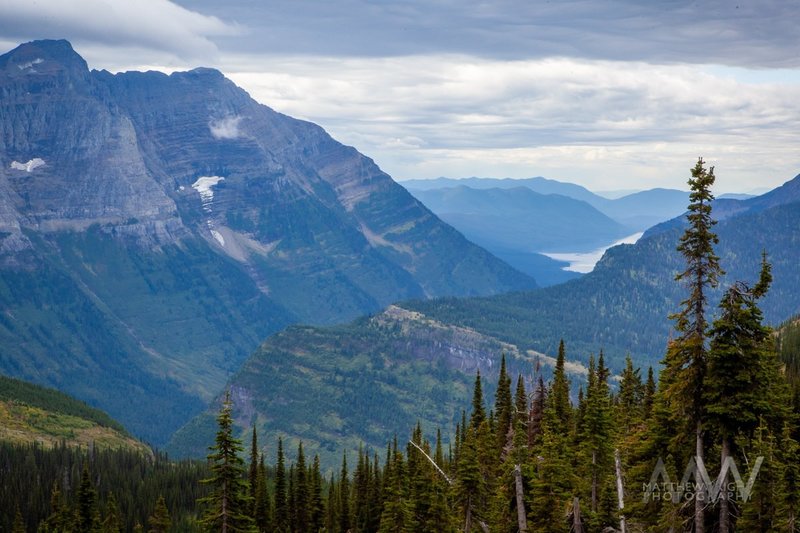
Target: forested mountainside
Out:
[414,349]
[154,229]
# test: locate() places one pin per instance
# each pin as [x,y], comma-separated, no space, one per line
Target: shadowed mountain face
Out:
[154,228]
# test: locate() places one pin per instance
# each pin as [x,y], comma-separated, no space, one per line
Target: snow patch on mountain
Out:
[204,185]
[218,236]
[34,163]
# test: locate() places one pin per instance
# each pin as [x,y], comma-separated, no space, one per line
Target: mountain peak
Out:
[42,57]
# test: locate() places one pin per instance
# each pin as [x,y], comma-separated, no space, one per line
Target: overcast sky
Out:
[611,94]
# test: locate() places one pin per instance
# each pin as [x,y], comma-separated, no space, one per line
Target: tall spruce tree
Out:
[596,433]
[316,507]
[301,492]
[345,521]
[685,364]
[227,507]
[478,410]
[630,396]
[87,502]
[262,514]
[281,503]
[503,406]
[520,402]
[559,390]
[252,477]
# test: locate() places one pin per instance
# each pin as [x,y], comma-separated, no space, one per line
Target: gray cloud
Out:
[751,33]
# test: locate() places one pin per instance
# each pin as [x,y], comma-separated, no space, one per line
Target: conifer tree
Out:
[536,413]
[60,519]
[281,503]
[761,511]
[227,507]
[262,514]
[361,487]
[19,523]
[789,503]
[301,492]
[649,394]
[87,497]
[376,496]
[396,517]
[559,390]
[744,383]
[478,412]
[160,521]
[344,497]
[686,360]
[438,454]
[469,485]
[552,478]
[521,402]
[418,479]
[630,397]
[331,514]
[597,432]
[112,523]
[252,476]
[316,507]
[291,499]
[503,406]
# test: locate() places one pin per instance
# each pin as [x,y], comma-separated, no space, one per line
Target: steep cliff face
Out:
[154,229]
[70,156]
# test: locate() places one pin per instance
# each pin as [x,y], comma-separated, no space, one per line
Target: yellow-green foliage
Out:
[24,424]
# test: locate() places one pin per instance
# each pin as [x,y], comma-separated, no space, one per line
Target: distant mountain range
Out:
[416,359]
[525,221]
[154,229]
[636,211]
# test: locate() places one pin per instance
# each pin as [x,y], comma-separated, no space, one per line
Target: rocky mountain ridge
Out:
[154,228]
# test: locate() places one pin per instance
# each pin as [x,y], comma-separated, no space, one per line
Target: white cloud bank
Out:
[604,124]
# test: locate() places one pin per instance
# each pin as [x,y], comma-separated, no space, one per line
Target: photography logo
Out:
[696,483]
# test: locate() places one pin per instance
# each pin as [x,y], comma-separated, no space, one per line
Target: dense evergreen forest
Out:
[711,446]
